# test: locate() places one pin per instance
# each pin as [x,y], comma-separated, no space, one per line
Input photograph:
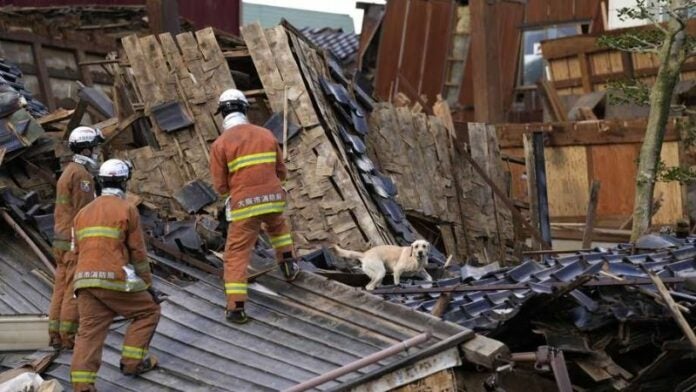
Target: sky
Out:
[335,6]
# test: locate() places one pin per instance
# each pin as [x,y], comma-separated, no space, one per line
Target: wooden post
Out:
[585,72]
[673,308]
[591,214]
[163,16]
[42,75]
[488,105]
[285,124]
[85,74]
[531,186]
[542,197]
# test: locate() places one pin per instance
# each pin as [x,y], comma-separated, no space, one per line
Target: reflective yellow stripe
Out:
[99,231]
[250,160]
[259,209]
[53,325]
[236,288]
[133,352]
[116,285]
[68,326]
[281,241]
[62,245]
[83,376]
[62,199]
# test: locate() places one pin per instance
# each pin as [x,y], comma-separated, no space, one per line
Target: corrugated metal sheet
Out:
[299,330]
[223,15]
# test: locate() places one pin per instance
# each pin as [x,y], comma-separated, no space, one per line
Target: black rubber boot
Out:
[145,365]
[237,315]
[289,267]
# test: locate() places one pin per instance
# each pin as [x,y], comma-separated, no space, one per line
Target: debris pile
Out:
[361,174]
[602,308]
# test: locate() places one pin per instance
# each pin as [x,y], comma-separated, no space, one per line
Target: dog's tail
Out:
[349,254]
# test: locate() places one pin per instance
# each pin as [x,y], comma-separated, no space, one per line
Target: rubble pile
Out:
[598,307]
[601,309]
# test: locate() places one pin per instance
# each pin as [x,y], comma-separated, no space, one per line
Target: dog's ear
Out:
[411,246]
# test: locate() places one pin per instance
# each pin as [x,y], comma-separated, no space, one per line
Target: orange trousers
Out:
[241,238]
[62,315]
[97,308]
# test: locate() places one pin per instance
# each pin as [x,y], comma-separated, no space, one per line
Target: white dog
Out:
[396,259]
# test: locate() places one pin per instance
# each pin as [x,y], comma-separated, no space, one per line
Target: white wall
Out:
[613,16]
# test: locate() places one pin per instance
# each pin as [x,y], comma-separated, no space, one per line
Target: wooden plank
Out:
[566,169]
[498,192]
[541,180]
[260,51]
[292,78]
[158,64]
[585,73]
[532,187]
[144,76]
[192,57]
[584,132]
[55,116]
[218,76]
[548,91]
[591,215]
[85,73]
[163,16]
[618,184]
[42,75]
[672,208]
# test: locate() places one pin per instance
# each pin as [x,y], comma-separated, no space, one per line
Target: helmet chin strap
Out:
[113,192]
[234,119]
[85,161]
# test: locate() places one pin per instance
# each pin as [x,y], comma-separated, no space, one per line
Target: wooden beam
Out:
[591,215]
[585,70]
[488,104]
[673,308]
[531,187]
[498,192]
[23,332]
[541,193]
[163,16]
[85,73]
[236,54]
[42,75]
[584,132]
[556,108]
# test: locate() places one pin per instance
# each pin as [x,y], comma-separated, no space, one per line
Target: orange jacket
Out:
[75,189]
[246,163]
[108,237]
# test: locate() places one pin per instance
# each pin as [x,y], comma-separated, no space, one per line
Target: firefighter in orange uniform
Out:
[247,167]
[112,278]
[75,189]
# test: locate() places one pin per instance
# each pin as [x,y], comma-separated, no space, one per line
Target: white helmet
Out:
[114,171]
[232,100]
[84,137]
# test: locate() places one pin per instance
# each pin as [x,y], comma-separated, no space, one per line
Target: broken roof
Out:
[342,45]
[299,331]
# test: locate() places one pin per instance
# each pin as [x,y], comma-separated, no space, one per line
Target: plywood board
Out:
[567,181]
[672,207]
[615,167]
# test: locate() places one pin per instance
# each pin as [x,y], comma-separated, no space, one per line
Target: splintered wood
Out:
[327,202]
[416,151]
[191,70]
